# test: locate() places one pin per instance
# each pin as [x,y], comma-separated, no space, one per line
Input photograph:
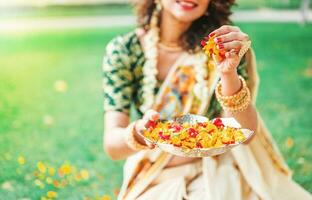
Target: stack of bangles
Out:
[235,103]
[131,141]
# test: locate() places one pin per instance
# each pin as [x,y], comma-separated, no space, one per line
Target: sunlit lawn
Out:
[124,9]
[51,108]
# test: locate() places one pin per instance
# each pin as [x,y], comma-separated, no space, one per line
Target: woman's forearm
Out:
[115,144]
[231,84]
[122,138]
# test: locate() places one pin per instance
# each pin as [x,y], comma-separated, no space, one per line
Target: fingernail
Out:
[212,34]
[220,46]
[218,40]
[203,43]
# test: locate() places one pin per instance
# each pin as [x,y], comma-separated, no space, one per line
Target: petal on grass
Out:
[52,194]
[301,160]
[21,160]
[289,142]
[308,72]
[60,86]
[105,197]
[41,167]
[84,174]
[7,185]
[48,120]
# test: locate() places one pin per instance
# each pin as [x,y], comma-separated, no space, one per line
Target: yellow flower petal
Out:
[51,171]
[65,169]
[49,180]
[51,194]
[48,120]
[60,86]
[41,167]
[84,174]
[106,197]
[39,183]
[21,160]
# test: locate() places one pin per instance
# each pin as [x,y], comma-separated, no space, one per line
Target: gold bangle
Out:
[237,102]
[240,107]
[131,141]
[234,96]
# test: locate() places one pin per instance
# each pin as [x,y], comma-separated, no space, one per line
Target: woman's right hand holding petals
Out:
[142,124]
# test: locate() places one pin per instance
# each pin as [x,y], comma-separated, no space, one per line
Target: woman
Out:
[160,69]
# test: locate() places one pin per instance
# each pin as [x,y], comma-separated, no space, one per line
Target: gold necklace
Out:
[171,48]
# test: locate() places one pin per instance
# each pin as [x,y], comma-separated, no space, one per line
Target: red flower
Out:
[192,132]
[201,124]
[162,136]
[177,128]
[203,43]
[151,124]
[199,145]
[218,122]
[177,145]
[229,142]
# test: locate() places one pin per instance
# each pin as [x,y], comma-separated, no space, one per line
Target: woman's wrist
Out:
[231,83]
[237,102]
[133,138]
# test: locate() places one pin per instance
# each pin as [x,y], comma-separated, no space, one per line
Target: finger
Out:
[224,30]
[228,46]
[140,126]
[149,144]
[151,115]
[231,36]
[231,54]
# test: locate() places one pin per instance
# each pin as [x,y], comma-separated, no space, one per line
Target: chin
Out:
[186,10]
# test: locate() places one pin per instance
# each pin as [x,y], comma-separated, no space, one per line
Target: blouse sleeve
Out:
[117,77]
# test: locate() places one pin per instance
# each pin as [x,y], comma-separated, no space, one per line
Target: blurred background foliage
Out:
[104,7]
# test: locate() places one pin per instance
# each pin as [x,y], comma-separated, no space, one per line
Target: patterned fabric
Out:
[123,76]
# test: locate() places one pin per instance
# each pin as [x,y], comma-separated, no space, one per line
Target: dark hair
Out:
[218,15]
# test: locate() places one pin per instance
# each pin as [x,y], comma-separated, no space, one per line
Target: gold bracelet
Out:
[240,107]
[131,141]
[237,102]
[234,96]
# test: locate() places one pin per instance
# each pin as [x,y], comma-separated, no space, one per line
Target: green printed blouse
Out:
[123,76]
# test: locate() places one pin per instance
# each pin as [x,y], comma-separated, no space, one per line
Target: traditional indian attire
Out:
[247,172]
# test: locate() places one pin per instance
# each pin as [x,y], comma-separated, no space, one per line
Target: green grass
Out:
[124,9]
[31,62]
[274,4]
[56,11]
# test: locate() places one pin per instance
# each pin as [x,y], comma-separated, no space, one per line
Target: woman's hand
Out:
[230,40]
[140,126]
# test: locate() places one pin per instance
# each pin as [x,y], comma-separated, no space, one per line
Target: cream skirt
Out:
[187,182]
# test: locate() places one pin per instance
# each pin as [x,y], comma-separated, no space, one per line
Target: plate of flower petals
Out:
[196,136]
